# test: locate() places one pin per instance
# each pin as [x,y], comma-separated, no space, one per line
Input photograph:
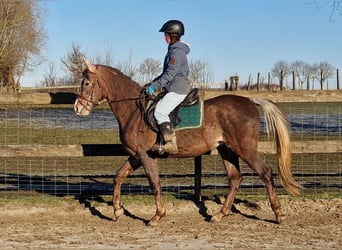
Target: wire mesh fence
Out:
[22,176]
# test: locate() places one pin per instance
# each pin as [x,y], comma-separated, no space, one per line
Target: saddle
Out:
[191,99]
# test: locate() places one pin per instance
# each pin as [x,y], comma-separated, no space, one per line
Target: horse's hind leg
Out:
[232,167]
[126,169]
[265,173]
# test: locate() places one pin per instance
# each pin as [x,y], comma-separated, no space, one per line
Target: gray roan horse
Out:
[230,125]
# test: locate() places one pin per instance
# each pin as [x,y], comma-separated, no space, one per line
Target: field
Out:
[64,202]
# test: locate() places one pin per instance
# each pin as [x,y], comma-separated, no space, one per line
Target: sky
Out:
[240,37]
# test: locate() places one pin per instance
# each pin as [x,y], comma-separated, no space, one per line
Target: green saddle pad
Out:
[190,117]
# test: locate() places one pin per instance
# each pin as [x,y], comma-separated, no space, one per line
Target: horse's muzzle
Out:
[81,109]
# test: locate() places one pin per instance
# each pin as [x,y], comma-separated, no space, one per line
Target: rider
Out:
[174,80]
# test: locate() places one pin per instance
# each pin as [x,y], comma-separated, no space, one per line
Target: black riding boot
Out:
[169,136]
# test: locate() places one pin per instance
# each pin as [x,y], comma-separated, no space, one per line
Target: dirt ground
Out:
[310,224]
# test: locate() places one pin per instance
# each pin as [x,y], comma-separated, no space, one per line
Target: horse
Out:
[230,125]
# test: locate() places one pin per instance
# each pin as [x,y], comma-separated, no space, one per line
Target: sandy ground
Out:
[72,224]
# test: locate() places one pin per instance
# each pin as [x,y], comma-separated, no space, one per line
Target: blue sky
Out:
[233,36]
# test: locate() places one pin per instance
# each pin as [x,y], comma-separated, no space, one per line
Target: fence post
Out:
[338,78]
[294,81]
[281,80]
[198,176]
[321,79]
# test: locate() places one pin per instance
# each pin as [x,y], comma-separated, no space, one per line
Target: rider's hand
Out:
[148,89]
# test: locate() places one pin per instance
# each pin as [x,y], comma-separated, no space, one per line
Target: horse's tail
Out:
[277,125]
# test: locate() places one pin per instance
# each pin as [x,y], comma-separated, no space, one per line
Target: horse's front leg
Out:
[126,169]
[151,168]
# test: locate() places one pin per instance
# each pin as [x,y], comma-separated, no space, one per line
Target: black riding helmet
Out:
[173,27]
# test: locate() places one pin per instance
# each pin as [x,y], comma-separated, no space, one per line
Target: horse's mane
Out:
[118,72]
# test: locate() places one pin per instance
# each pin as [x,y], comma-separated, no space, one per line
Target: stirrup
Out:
[171,148]
[158,147]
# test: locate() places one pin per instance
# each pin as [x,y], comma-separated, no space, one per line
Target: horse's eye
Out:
[86,83]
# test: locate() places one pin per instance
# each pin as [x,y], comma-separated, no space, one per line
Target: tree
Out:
[22,36]
[335,6]
[281,70]
[74,64]
[322,72]
[128,67]
[50,77]
[149,68]
[105,59]
[200,72]
[301,70]
[311,74]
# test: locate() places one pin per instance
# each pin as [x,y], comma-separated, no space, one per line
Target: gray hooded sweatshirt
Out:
[175,76]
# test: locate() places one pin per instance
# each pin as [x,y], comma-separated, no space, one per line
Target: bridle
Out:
[89,99]
[88,102]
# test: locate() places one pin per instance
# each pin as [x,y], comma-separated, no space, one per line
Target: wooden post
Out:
[321,80]
[294,80]
[281,80]
[338,78]
[249,81]
[198,176]
[258,82]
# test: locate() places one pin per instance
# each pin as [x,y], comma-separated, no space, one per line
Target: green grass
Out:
[33,199]
[13,134]
[300,108]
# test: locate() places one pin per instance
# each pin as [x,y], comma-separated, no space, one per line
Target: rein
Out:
[125,99]
[90,98]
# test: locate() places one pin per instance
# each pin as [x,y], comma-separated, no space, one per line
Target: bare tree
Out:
[301,70]
[281,70]
[73,64]
[50,76]
[322,72]
[200,72]
[128,67]
[107,58]
[310,76]
[335,6]
[149,69]
[22,36]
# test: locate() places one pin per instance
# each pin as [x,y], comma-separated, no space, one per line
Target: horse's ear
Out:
[90,67]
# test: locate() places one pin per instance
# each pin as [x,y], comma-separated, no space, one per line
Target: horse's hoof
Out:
[118,213]
[215,219]
[153,223]
[156,219]
[280,218]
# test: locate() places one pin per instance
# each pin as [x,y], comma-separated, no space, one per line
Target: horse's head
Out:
[91,93]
